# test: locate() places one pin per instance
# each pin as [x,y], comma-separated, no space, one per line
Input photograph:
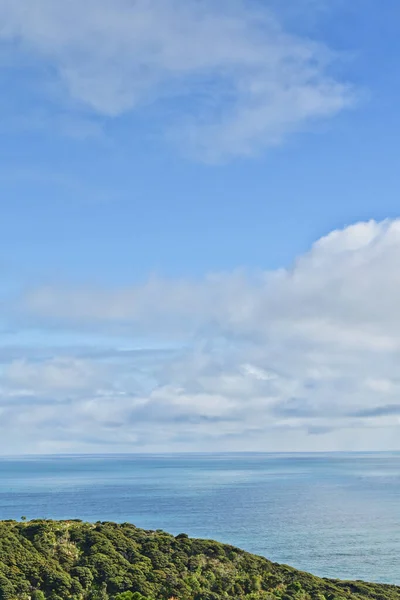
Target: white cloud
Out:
[298,359]
[344,292]
[248,82]
[50,377]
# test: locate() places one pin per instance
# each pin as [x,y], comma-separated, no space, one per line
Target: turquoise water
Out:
[335,515]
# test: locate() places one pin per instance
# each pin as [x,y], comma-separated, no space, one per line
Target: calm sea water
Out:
[335,515]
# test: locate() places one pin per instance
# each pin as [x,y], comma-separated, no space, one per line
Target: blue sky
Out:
[199,235]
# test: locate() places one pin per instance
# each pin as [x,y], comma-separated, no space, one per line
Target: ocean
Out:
[335,515]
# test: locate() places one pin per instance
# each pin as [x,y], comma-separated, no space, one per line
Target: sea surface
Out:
[336,515]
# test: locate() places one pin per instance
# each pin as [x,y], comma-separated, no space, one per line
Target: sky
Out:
[200,228]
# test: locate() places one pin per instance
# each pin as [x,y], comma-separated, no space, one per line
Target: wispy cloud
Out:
[50,377]
[227,77]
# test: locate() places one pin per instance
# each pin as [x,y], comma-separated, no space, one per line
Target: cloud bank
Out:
[304,358]
[226,77]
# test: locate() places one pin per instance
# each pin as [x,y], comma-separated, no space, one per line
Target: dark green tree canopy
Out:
[71,560]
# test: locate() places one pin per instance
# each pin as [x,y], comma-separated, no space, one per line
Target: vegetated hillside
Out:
[61,560]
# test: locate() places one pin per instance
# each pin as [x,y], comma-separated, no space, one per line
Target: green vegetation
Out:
[71,560]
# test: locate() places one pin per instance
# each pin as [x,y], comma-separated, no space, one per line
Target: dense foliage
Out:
[60,560]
